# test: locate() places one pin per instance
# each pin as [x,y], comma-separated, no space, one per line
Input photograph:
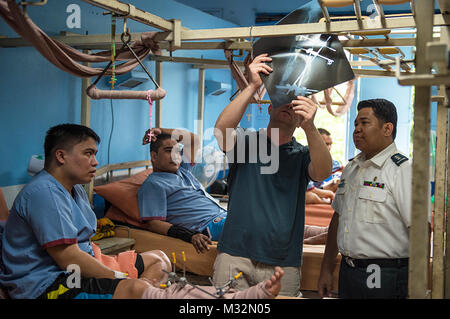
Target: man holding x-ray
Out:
[265,223]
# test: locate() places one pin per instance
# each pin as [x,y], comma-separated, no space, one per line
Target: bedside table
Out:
[114,245]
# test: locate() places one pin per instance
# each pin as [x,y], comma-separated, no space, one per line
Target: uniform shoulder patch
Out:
[398,159]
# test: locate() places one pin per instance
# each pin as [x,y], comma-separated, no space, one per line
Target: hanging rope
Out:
[113,50]
[150,103]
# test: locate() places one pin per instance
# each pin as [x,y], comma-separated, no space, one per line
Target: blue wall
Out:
[35,95]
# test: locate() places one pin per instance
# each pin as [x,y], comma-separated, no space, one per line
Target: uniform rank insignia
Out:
[373,184]
[398,159]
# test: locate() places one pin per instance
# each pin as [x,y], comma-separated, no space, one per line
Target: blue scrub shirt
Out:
[179,199]
[43,215]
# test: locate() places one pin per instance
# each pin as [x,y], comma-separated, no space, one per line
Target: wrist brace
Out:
[181,233]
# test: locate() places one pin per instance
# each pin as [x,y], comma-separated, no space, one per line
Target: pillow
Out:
[123,196]
[116,215]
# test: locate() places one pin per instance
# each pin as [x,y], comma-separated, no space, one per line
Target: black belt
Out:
[364,263]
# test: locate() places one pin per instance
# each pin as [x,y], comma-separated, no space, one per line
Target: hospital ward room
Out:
[271,152]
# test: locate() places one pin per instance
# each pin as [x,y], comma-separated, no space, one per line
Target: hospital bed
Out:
[118,184]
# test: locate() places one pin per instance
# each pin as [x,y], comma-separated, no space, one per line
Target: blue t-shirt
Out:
[43,215]
[336,167]
[177,198]
[266,212]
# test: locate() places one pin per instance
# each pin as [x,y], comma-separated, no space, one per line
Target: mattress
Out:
[200,264]
[318,214]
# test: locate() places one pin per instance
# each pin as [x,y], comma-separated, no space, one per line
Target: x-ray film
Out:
[302,64]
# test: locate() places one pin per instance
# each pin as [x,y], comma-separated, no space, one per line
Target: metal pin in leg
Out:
[183,281]
[184,263]
[174,258]
[233,282]
[172,275]
[230,284]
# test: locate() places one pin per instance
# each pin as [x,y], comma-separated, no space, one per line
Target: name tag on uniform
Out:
[373,184]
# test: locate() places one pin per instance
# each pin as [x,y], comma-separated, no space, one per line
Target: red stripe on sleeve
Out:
[65,241]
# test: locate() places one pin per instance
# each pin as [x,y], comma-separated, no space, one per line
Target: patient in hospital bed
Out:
[322,193]
[315,195]
[171,200]
[331,183]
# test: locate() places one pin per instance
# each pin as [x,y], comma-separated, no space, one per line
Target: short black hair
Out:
[154,146]
[323,131]
[383,109]
[65,136]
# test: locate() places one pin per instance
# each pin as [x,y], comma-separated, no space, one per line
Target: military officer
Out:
[372,212]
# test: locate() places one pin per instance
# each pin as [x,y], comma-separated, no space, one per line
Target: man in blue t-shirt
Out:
[171,200]
[332,181]
[266,209]
[323,192]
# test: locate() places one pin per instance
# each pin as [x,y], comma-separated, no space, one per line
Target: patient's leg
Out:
[264,290]
[155,261]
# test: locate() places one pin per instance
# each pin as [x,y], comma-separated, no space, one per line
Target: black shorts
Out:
[89,288]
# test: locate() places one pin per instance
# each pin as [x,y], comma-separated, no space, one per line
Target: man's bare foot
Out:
[273,285]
